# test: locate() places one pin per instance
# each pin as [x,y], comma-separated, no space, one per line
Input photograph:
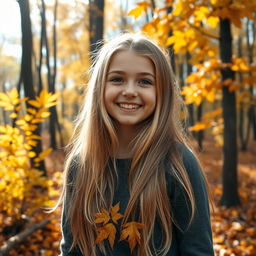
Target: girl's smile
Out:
[130,90]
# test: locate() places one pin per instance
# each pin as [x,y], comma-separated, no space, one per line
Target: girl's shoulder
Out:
[188,159]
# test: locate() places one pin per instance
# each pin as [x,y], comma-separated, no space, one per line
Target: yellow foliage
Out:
[200,126]
[213,21]
[203,84]
[136,12]
[211,120]
[240,65]
[139,9]
[19,181]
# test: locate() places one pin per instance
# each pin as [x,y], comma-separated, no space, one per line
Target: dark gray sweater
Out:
[194,241]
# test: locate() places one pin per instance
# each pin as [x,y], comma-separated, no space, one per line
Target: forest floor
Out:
[234,229]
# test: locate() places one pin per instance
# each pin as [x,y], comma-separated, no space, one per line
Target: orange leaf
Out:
[114,213]
[102,217]
[108,231]
[131,233]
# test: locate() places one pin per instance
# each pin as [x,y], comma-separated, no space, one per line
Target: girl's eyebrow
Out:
[122,72]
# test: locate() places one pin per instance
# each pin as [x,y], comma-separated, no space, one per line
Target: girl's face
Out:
[130,90]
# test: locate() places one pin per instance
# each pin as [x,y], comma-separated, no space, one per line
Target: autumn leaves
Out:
[107,230]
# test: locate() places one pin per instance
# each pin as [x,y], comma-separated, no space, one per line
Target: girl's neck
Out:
[125,136]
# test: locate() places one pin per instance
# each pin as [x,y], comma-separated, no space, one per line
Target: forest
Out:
[212,50]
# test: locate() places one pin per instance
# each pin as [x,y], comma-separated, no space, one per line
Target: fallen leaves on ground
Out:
[234,229]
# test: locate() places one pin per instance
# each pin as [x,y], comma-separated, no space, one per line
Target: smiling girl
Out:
[130,165]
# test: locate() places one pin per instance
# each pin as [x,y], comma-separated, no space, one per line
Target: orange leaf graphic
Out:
[108,231]
[102,217]
[131,233]
[115,216]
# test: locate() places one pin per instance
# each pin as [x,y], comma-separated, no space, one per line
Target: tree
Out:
[27,46]
[26,75]
[51,71]
[96,23]
[230,195]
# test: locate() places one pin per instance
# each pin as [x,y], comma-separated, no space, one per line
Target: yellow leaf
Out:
[34,103]
[14,96]
[2,129]
[32,143]
[149,28]
[28,117]
[20,122]
[170,40]
[136,12]
[53,97]
[213,21]
[13,115]
[32,111]
[200,126]
[37,120]
[3,97]
[18,108]
[46,152]
[210,96]
[35,137]
[45,114]
[31,154]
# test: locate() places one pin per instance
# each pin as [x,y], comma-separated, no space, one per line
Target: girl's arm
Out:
[195,240]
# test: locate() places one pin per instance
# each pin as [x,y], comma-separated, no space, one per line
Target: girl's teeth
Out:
[128,106]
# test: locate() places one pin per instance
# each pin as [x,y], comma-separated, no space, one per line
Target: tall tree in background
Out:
[27,46]
[51,70]
[26,74]
[230,190]
[96,23]
[250,41]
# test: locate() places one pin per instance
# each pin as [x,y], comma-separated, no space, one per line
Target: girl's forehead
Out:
[129,60]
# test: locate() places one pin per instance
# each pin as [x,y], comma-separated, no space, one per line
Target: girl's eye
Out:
[116,80]
[145,82]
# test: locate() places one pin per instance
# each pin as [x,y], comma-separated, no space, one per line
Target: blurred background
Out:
[45,51]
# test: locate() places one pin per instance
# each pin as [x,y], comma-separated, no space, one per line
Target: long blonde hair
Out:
[95,141]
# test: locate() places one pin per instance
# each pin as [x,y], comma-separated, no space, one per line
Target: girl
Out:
[132,184]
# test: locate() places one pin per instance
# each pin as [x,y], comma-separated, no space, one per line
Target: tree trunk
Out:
[191,120]
[4,114]
[51,74]
[230,195]
[170,48]
[241,124]
[200,134]
[26,58]
[250,39]
[26,65]
[96,21]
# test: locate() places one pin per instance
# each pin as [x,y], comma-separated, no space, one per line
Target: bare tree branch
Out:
[15,240]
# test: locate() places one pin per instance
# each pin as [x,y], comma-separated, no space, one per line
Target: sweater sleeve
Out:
[196,239]
[67,240]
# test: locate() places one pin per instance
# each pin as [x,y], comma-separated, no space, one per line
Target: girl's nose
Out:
[130,90]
